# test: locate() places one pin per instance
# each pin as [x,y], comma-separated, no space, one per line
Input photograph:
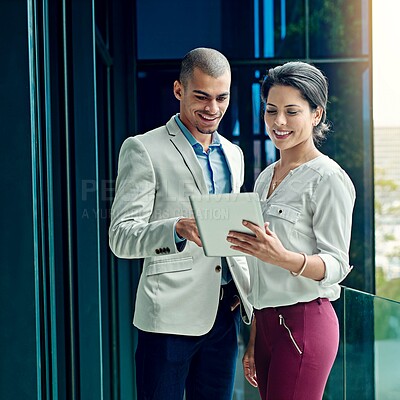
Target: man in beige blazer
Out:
[187,305]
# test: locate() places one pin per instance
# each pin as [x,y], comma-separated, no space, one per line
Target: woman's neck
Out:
[295,157]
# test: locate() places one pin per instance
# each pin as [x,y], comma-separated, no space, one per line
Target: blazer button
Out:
[157,251]
[168,250]
[218,268]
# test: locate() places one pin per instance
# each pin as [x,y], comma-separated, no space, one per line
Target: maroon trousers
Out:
[295,349]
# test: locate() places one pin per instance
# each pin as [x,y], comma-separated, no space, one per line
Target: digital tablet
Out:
[217,214]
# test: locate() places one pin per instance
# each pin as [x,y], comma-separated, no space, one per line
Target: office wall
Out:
[18,295]
[66,302]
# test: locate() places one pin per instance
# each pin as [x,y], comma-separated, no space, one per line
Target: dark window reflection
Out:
[339,28]
[289,29]
[349,143]
[156,101]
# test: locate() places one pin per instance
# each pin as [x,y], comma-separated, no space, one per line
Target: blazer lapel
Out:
[232,157]
[186,151]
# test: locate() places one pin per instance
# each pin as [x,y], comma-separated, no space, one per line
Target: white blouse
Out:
[311,212]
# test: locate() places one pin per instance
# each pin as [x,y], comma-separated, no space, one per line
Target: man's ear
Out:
[178,90]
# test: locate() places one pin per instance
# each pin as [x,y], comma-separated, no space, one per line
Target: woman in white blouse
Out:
[301,254]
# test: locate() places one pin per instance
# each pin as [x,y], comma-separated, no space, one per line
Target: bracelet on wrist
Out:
[303,267]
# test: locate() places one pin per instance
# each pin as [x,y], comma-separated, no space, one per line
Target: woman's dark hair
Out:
[311,83]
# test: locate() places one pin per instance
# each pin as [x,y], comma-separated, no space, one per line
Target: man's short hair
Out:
[209,61]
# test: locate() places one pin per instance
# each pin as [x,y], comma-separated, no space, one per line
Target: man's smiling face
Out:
[203,102]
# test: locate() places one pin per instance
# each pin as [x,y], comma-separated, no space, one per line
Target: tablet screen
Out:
[217,214]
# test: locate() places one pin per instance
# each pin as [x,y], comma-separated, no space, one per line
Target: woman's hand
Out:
[265,245]
[249,366]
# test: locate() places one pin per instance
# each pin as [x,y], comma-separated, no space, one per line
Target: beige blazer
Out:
[178,292]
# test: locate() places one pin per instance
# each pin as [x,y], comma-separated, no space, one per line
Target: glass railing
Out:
[367,366]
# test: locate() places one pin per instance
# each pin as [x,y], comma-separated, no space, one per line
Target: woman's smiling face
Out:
[288,117]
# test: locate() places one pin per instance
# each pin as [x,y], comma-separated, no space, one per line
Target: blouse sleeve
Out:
[333,203]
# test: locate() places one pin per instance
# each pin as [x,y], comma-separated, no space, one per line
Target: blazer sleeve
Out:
[131,234]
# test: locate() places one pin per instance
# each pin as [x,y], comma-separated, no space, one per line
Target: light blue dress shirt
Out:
[216,174]
[213,163]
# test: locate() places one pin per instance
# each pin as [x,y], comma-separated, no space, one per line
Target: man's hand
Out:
[249,366]
[187,228]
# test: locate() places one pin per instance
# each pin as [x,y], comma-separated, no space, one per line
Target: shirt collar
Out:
[192,140]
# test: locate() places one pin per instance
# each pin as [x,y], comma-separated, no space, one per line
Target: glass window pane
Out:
[289,29]
[169,29]
[339,28]
[358,343]
[387,348]
[349,143]
[386,86]
[256,92]
[157,102]
[370,337]
[257,158]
